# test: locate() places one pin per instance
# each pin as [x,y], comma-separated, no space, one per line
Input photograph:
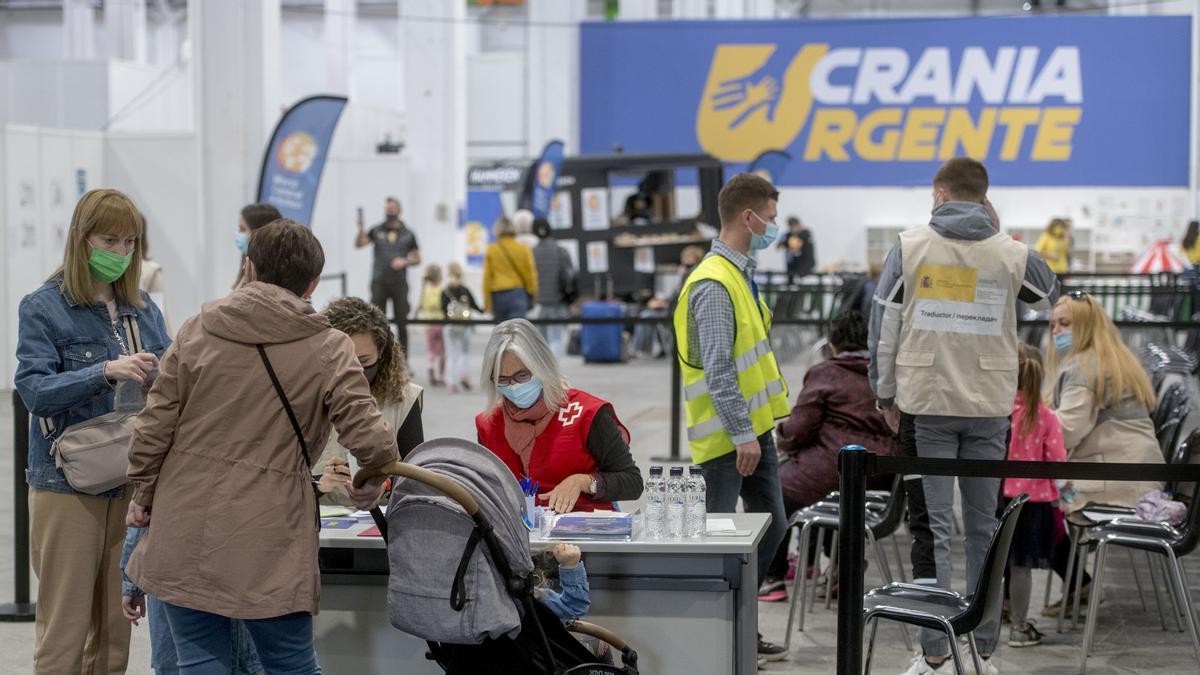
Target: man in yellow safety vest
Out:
[732,386]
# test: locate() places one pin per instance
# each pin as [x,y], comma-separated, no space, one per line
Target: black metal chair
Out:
[885,513]
[1157,538]
[939,609]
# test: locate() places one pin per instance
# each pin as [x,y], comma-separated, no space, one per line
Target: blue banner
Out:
[545,174]
[1043,101]
[295,158]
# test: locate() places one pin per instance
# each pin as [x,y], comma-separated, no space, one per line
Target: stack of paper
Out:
[597,525]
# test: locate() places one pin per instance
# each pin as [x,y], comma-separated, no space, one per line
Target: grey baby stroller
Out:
[474,605]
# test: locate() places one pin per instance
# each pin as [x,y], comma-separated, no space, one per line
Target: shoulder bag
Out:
[94,454]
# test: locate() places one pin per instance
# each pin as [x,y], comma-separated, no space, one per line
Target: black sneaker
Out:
[1024,636]
[770,651]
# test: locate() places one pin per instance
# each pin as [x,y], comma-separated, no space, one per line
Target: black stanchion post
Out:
[20,609]
[676,405]
[854,466]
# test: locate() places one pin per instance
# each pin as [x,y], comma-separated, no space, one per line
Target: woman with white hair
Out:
[567,440]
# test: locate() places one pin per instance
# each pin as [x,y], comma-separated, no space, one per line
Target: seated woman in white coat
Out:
[1104,401]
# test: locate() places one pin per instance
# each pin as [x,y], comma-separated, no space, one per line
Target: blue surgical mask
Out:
[1062,342]
[523,394]
[759,242]
[241,240]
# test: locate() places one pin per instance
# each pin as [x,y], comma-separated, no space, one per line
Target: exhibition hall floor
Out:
[1129,640]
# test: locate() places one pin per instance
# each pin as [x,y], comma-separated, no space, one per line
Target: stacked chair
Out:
[884,514]
[1169,545]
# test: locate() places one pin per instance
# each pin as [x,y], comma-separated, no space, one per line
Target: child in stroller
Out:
[462,574]
[572,601]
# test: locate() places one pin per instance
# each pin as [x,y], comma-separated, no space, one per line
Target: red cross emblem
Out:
[570,413]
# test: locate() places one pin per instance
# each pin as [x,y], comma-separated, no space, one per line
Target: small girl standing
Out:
[431,308]
[458,303]
[1036,437]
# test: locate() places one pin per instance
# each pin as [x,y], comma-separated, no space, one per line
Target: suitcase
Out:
[602,343]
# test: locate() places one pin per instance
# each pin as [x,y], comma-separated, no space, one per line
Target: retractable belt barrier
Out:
[815,322]
[856,464]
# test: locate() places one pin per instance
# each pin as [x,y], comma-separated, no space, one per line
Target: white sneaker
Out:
[920,666]
[988,667]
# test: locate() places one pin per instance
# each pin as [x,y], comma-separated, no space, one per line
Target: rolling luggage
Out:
[602,343]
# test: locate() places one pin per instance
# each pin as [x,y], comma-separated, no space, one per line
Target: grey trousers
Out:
[962,438]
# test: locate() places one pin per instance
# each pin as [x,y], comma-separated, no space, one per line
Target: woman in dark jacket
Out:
[835,408]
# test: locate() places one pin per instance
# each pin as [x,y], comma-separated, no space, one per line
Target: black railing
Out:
[20,609]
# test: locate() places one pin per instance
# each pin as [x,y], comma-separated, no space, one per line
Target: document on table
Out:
[724,527]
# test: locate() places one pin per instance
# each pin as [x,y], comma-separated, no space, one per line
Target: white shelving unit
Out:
[881,238]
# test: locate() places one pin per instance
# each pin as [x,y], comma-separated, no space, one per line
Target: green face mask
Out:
[108,266]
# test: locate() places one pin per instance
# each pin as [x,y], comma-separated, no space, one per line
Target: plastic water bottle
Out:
[697,517]
[656,504]
[676,503]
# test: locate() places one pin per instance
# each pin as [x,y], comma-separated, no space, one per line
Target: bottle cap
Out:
[694,470]
[656,471]
[677,471]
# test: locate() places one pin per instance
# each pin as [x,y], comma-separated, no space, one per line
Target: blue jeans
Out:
[203,641]
[760,493]
[555,334]
[510,304]
[165,660]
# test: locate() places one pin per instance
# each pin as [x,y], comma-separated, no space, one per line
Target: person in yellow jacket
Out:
[732,386]
[509,275]
[1055,246]
[1191,242]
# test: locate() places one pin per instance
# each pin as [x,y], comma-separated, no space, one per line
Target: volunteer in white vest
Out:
[943,340]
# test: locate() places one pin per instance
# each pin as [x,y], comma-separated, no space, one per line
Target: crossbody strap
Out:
[134,333]
[287,407]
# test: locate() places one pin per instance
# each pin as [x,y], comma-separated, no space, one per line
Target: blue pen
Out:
[534,491]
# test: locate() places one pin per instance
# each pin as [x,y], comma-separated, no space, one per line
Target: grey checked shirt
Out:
[710,307]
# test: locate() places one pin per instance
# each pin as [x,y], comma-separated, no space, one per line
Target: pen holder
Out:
[531,509]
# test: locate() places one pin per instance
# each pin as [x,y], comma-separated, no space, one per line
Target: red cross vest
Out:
[560,451]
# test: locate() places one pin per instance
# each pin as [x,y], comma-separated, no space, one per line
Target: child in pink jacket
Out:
[1036,437]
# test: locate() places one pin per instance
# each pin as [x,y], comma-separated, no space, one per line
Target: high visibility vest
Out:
[957,353]
[758,374]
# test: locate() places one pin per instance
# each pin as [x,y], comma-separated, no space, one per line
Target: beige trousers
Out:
[75,544]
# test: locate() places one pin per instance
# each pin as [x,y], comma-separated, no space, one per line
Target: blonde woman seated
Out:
[383,363]
[1104,401]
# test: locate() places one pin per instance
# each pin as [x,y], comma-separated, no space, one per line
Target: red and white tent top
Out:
[1163,256]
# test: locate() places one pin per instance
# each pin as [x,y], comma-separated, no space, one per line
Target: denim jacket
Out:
[573,602]
[62,347]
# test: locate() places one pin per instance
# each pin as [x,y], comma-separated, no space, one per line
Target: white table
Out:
[686,606]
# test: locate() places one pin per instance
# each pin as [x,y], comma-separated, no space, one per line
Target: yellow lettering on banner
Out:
[885,149]
[1016,119]
[1053,140]
[831,129]
[946,282]
[961,130]
[920,133]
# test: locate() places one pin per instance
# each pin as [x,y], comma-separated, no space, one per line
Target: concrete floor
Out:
[1129,640]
